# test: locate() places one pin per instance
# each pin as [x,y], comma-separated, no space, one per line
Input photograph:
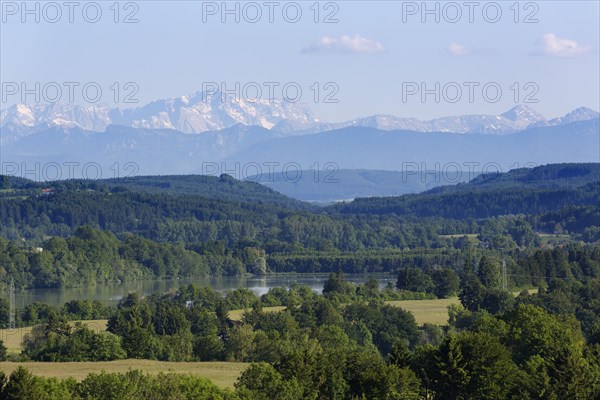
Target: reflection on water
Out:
[112,293]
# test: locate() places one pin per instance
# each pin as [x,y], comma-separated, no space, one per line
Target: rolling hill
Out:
[522,191]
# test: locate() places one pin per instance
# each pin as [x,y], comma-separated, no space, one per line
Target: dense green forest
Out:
[76,233]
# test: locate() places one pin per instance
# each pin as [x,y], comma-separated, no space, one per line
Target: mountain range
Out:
[201,112]
[400,150]
[197,113]
[205,135]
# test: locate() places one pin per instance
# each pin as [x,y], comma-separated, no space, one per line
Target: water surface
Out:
[111,293]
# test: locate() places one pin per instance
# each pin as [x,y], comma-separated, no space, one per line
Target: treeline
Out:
[286,232]
[91,256]
[531,268]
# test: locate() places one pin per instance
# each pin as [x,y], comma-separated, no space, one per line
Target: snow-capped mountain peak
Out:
[523,114]
[579,114]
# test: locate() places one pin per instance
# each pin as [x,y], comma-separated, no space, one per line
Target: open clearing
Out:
[433,311]
[223,374]
[472,237]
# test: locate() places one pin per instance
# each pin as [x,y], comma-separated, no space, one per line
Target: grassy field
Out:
[13,338]
[223,374]
[471,236]
[433,311]
[236,315]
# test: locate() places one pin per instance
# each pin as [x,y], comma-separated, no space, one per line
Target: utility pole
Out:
[11,310]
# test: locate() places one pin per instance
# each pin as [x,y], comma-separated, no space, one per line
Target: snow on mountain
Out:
[24,116]
[21,120]
[201,113]
[579,114]
[197,113]
[514,120]
[374,149]
[523,116]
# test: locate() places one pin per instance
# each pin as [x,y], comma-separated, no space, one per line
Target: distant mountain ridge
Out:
[514,120]
[240,150]
[201,112]
[374,149]
[186,135]
[154,151]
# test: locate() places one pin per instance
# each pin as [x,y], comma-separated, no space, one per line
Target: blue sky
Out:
[371,54]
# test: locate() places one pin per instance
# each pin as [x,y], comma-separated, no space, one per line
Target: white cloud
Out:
[345,44]
[456,49]
[555,46]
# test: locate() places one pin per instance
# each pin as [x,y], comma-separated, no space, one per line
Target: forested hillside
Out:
[522,191]
[223,187]
[167,227]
